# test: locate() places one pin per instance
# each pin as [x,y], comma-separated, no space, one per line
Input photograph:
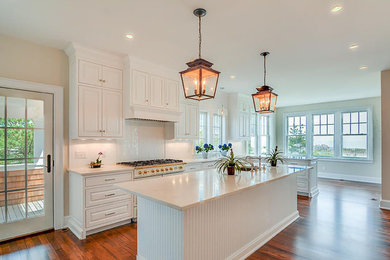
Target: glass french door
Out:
[26,174]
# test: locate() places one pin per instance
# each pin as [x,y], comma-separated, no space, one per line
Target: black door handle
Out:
[48,163]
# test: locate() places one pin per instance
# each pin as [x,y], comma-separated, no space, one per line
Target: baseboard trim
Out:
[384,204]
[76,228]
[259,241]
[349,177]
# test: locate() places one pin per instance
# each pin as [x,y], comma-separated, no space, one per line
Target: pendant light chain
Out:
[265,69]
[200,36]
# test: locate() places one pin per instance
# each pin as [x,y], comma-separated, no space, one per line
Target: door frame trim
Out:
[58,139]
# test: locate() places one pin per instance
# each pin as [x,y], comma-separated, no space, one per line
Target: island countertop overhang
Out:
[188,190]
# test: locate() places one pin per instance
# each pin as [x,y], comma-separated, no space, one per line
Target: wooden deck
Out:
[18,211]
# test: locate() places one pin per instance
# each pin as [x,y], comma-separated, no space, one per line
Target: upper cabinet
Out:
[240,110]
[95,94]
[188,125]
[156,92]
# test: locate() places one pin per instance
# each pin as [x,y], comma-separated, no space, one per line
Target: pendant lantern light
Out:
[264,100]
[199,79]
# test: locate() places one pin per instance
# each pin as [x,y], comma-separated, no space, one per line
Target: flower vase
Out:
[205,155]
[224,153]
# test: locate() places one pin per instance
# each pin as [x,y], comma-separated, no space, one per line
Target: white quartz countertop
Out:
[104,169]
[199,160]
[187,190]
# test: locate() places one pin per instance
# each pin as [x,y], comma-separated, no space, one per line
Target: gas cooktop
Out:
[151,162]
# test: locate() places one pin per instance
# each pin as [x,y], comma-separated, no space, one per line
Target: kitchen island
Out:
[206,215]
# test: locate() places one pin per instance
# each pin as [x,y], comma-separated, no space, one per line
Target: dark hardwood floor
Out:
[342,222]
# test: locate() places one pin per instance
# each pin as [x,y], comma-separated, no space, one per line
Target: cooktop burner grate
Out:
[151,162]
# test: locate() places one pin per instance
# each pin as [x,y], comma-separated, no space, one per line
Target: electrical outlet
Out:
[80,155]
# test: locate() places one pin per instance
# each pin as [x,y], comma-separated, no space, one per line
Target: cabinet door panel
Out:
[171,95]
[112,114]
[112,78]
[141,87]
[89,73]
[90,105]
[181,125]
[157,92]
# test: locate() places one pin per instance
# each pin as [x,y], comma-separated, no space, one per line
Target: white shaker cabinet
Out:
[112,119]
[89,73]
[157,90]
[171,94]
[90,107]
[140,88]
[95,93]
[188,125]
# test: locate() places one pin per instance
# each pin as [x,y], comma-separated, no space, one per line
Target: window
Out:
[252,143]
[323,135]
[217,130]
[296,137]
[336,134]
[203,119]
[264,135]
[354,137]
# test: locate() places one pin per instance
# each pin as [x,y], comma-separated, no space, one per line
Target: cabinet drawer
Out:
[101,195]
[104,215]
[107,179]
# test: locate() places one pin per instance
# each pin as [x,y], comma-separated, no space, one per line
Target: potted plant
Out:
[274,157]
[204,150]
[223,149]
[230,163]
[97,163]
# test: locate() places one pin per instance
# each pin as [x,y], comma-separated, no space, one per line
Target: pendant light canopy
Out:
[264,100]
[199,80]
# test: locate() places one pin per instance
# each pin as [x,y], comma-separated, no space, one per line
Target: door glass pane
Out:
[2,207]
[16,174]
[16,143]
[16,205]
[35,114]
[35,176]
[2,111]
[35,205]
[35,143]
[16,108]
[2,177]
[2,146]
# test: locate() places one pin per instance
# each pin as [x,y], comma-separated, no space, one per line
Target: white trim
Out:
[349,177]
[384,204]
[58,137]
[261,240]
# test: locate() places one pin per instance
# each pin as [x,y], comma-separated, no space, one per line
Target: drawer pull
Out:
[109,195]
[110,179]
[110,214]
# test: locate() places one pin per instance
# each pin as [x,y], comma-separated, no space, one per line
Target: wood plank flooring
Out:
[342,222]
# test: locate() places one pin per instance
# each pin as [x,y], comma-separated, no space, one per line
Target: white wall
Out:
[359,171]
[385,102]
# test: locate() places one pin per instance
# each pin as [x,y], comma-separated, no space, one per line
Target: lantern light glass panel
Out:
[264,102]
[199,83]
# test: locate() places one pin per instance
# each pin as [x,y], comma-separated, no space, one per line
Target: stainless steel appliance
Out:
[159,167]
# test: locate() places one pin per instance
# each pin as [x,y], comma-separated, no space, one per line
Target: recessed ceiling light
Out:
[129,36]
[363,67]
[232,77]
[353,46]
[336,9]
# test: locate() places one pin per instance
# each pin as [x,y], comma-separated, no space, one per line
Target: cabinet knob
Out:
[103,80]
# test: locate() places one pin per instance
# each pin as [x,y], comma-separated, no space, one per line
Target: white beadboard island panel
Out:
[234,216]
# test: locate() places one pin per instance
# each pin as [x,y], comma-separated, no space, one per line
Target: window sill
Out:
[346,160]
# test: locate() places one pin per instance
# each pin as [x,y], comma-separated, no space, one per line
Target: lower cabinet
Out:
[95,204]
[307,180]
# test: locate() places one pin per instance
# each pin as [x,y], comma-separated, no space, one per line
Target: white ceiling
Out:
[310,60]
